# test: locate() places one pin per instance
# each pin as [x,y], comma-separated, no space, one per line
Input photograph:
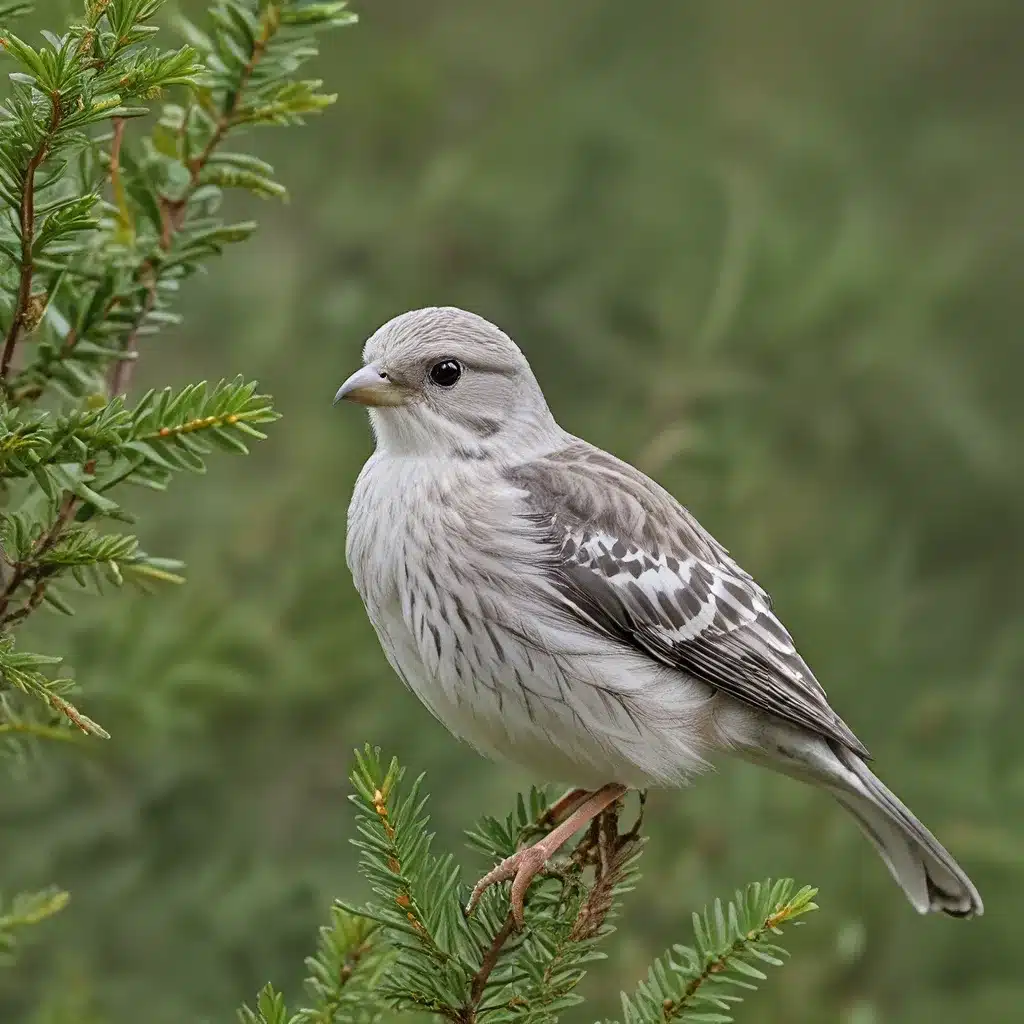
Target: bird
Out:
[556,608]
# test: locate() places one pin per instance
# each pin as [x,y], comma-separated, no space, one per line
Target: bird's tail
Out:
[924,869]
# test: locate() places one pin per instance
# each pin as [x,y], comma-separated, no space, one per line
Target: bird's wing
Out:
[630,561]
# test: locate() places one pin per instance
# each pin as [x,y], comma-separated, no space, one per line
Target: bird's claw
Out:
[522,868]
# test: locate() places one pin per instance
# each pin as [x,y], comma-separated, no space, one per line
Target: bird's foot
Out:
[522,868]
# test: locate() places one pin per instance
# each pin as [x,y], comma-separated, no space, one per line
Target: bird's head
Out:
[441,381]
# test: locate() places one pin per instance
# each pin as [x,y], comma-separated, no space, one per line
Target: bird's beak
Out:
[368,386]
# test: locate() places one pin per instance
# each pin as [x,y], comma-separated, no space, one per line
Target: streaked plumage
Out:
[552,605]
[637,566]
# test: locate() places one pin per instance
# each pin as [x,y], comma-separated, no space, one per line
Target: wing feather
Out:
[630,561]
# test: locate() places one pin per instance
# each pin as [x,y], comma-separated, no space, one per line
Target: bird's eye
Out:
[446,373]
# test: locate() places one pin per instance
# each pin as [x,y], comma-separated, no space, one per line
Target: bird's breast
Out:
[454,580]
[393,510]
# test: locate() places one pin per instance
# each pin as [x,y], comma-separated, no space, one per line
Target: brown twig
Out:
[27,218]
[71,338]
[612,854]
[27,569]
[487,965]
[116,184]
[121,371]
[227,117]
[172,211]
[32,602]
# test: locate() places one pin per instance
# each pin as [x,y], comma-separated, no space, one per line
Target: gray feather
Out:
[631,562]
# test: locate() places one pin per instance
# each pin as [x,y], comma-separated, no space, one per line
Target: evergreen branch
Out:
[269,22]
[27,909]
[26,219]
[468,970]
[270,1008]
[395,850]
[159,424]
[697,984]
[478,985]
[431,958]
[437,953]
[239,31]
[105,224]
[173,210]
[113,276]
[344,972]
[38,731]
[164,433]
[71,75]
[121,371]
[24,568]
[343,979]
[23,672]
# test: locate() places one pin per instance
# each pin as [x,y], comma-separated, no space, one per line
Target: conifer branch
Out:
[27,909]
[89,278]
[478,984]
[269,22]
[699,983]
[342,982]
[467,971]
[27,221]
[35,730]
[106,220]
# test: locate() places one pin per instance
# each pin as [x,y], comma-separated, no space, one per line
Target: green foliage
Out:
[413,946]
[699,983]
[88,276]
[343,980]
[27,908]
[92,275]
[464,967]
[103,222]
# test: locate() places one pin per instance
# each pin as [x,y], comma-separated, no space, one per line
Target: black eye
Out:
[446,373]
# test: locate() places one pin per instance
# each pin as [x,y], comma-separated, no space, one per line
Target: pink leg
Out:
[524,865]
[564,806]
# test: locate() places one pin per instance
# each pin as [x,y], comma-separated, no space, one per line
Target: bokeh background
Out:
[772,254]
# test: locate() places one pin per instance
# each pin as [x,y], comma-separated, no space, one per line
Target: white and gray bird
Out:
[555,607]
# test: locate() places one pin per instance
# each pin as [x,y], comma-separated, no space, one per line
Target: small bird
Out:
[553,606]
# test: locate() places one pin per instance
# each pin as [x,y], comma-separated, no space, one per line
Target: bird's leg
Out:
[562,807]
[555,814]
[524,865]
[581,856]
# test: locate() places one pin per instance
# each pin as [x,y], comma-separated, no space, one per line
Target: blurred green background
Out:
[772,254]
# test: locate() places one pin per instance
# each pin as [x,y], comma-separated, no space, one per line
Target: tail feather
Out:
[925,870]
